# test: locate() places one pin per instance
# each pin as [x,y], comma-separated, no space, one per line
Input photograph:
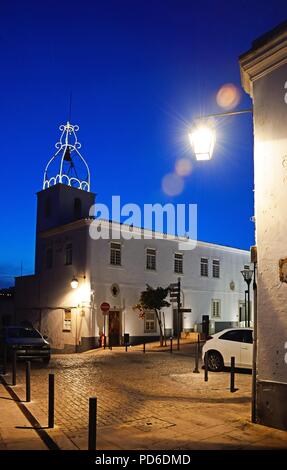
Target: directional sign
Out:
[174,285]
[186,310]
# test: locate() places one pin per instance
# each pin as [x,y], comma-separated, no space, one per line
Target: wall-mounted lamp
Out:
[75,282]
[203,136]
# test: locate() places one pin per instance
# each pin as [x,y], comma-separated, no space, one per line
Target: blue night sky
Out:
[139,72]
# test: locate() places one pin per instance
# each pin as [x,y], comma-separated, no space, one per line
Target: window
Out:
[215,311]
[216,268]
[69,253]
[178,263]
[239,336]
[49,258]
[204,267]
[67,324]
[47,209]
[77,208]
[115,257]
[151,259]
[150,322]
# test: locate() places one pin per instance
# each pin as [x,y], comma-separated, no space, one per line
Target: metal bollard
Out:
[206,367]
[196,370]
[170,344]
[51,401]
[92,444]
[28,381]
[144,347]
[232,375]
[126,347]
[105,342]
[14,368]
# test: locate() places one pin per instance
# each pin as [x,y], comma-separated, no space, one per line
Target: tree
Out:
[154,299]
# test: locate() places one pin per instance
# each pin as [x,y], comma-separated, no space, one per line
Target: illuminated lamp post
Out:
[247,276]
[202,136]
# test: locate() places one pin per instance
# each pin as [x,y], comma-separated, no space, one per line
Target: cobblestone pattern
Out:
[135,390]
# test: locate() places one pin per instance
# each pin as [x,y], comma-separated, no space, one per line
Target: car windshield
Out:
[23,333]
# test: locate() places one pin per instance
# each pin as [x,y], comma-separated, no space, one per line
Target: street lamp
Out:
[247,276]
[202,139]
[203,136]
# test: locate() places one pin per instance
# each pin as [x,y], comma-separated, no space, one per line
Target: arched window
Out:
[77,208]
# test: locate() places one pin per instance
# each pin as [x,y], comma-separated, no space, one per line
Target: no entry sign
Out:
[105,307]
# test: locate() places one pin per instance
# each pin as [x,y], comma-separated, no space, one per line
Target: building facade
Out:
[116,270]
[264,77]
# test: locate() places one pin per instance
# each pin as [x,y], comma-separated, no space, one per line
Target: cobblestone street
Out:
[147,401]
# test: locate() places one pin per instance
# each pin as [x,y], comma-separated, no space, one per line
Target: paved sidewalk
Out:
[15,430]
[146,401]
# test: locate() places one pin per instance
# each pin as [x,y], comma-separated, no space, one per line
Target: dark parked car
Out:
[28,342]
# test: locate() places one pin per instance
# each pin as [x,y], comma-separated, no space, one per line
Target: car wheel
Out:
[215,361]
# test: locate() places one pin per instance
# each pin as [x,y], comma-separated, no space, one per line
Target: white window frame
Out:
[67,320]
[176,261]
[204,264]
[218,303]
[150,319]
[150,262]
[217,266]
[115,254]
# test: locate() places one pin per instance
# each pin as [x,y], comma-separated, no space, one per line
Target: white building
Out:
[264,78]
[116,271]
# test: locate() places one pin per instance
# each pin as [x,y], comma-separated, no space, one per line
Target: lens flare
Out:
[228,96]
[172,184]
[183,167]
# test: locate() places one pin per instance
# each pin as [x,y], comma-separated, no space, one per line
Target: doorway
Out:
[177,322]
[114,328]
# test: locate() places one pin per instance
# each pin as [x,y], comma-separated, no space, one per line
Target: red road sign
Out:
[105,307]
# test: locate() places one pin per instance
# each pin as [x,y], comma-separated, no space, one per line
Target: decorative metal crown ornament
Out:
[63,166]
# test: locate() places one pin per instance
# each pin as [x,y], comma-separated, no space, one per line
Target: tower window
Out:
[115,257]
[178,263]
[77,208]
[69,254]
[151,259]
[47,209]
[49,258]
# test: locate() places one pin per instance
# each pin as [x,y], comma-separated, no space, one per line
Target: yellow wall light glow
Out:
[202,139]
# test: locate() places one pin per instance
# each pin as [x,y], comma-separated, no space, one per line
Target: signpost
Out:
[174,292]
[105,308]
[175,295]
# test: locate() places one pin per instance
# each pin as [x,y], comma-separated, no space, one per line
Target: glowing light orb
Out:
[228,96]
[172,184]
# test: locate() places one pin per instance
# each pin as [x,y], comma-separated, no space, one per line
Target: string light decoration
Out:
[67,165]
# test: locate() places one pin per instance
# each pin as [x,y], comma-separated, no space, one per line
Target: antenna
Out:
[70,107]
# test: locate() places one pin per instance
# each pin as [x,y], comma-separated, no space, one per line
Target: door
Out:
[114,328]
[246,349]
[177,322]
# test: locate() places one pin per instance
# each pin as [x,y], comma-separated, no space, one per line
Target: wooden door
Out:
[114,328]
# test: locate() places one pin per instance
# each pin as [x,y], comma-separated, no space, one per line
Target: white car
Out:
[237,342]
